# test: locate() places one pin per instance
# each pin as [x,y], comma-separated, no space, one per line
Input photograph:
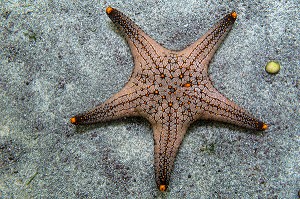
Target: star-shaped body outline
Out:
[171,89]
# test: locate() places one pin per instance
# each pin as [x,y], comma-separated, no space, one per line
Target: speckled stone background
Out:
[60,58]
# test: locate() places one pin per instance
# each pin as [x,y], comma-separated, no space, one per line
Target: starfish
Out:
[171,89]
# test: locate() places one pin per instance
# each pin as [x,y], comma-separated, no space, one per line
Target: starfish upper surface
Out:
[171,89]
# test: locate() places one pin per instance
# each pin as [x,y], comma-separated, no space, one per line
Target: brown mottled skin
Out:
[171,89]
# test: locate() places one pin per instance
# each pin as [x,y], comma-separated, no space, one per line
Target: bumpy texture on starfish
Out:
[171,89]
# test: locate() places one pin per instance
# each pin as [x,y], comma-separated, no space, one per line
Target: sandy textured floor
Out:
[59,58]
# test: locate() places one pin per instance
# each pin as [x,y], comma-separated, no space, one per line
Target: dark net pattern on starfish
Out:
[171,89]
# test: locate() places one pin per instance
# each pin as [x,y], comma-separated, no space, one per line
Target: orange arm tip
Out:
[109,10]
[162,187]
[73,120]
[233,14]
[264,127]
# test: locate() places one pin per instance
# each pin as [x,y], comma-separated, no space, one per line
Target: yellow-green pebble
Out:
[272,67]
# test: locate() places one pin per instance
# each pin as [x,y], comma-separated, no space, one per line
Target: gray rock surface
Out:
[60,58]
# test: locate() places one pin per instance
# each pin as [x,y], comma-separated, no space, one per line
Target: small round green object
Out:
[272,67]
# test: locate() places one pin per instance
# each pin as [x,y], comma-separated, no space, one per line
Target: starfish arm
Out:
[143,47]
[215,106]
[118,106]
[167,139]
[205,47]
